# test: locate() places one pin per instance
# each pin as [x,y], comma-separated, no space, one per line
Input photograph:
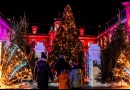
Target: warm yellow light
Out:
[0,50]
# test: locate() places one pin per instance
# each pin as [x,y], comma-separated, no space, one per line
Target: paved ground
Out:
[33,85]
[51,85]
[55,86]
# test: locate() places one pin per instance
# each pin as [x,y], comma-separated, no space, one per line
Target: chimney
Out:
[57,23]
[81,31]
[34,29]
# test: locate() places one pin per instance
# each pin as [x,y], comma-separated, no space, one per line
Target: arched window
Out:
[109,37]
[105,41]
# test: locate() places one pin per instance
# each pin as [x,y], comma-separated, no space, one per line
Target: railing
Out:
[115,18]
[114,21]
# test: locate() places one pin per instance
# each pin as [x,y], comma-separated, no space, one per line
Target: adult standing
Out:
[43,72]
[61,64]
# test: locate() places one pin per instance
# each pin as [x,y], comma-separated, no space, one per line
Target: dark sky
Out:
[88,13]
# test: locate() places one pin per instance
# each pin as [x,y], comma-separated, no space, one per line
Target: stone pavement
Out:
[55,86]
[51,85]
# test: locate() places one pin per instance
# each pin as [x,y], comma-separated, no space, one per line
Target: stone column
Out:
[51,39]
[86,62]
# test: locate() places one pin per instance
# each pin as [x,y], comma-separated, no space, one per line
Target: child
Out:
[76,76]
[63,80]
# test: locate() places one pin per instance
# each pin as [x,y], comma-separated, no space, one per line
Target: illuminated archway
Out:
[39,47]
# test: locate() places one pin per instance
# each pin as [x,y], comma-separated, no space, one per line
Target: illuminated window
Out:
[105,40]
[109,37]
[100,41]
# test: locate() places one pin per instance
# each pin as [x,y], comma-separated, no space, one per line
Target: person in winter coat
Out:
[63,80]
[76,76]
[43,54]
[43,72]
[61,64]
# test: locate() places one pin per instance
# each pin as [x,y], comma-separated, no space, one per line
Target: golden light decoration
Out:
[123,63]
[12,67]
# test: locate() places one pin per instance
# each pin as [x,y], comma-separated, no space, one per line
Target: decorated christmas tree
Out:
[19,37]
[110,55]
[19,34]
[67,41]
[122,66]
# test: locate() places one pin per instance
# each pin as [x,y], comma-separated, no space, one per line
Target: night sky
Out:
[88,13]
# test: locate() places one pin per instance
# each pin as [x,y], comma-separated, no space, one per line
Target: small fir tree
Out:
[19,36]
[112,52]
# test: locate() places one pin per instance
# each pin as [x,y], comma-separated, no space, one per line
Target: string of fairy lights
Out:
[122,69]
[14,66]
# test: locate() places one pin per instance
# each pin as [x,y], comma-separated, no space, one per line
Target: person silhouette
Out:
[43,72]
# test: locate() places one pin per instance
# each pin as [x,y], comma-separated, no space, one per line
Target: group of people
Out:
[67,77]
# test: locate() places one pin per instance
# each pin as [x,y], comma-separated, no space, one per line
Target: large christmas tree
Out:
[67,41]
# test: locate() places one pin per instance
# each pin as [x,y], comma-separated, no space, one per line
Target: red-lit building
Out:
[105,37]
[102,39]
[47,39]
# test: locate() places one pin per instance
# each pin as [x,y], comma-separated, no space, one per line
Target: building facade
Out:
[47,39]
[102,39]
[105,37]
[4,33]
[4,30]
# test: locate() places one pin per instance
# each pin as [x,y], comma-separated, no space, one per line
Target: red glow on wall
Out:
[49,38]
[128,23]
